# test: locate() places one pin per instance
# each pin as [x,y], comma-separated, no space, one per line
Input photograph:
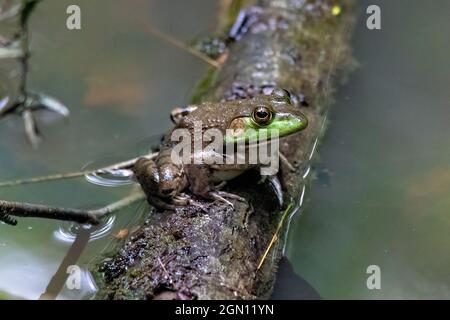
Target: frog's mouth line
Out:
[245,128]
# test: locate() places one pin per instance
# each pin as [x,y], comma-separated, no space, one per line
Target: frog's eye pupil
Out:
[262,116]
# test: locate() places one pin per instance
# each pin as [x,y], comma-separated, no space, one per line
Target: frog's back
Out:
[216,115]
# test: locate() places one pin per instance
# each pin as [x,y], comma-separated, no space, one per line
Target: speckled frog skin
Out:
[164,181]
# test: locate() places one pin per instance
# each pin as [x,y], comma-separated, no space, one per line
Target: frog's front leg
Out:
[199,177]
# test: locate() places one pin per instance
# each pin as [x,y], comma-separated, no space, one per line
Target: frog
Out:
[166,182]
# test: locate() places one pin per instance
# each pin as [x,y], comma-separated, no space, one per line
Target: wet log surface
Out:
[214,254]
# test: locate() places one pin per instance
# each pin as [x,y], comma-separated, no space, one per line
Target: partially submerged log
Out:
[224,253]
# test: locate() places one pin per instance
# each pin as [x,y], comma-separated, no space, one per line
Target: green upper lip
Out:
[285,123]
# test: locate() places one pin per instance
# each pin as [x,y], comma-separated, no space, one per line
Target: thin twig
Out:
[180,45]
[116,206]
[60,176]
[28,210]
[274,238]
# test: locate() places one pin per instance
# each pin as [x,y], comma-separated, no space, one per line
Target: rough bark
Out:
[296,45]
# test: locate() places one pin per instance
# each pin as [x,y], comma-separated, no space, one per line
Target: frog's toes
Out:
[181,200]
[160,204]
[222,195]
[216,196]
[230,196]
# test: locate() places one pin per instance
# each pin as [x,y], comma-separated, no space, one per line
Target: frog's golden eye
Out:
[262,116]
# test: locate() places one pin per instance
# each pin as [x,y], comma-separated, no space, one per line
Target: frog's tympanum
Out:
[164,180]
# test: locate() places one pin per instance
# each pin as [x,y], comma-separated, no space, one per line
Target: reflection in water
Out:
[290,286]
[67,232]
[87,289]
[70,277]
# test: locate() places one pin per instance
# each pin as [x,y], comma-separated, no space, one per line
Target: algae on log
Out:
[191,254]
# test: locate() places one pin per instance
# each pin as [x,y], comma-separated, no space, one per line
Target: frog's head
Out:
[265,114]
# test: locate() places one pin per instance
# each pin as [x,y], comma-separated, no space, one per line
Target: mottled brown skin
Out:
[163,181]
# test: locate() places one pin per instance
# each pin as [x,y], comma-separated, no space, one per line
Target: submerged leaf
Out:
[10,53]
[31,129]
[3,104]
[52,104]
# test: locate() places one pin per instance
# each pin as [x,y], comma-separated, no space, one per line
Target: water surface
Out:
[383,179]
[383,176]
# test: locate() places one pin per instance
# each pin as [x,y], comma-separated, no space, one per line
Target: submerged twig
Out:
[18,47]
[28,210]
[31,129]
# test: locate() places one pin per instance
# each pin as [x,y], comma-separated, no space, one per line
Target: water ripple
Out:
[111,178]
[67,232]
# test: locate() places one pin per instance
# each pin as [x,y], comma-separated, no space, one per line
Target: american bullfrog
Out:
[164,180]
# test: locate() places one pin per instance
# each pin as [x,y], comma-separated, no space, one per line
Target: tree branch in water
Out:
[28,210]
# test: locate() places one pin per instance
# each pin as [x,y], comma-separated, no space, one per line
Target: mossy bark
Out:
[296,45]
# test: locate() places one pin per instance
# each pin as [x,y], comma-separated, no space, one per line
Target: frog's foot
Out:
[161,204]
[179,201]
[26,106]
[183,200]
[222,195]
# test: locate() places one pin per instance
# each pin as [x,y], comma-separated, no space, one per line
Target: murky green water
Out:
[386,201]
[119,83]
[380,198]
